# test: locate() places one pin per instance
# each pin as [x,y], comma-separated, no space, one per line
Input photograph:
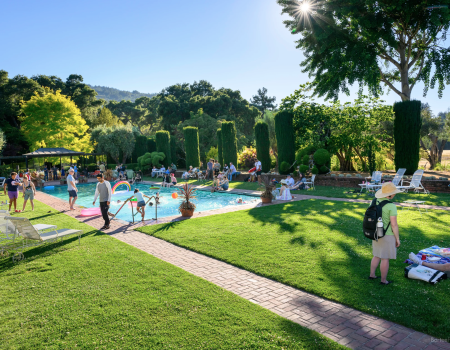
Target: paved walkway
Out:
[343,324]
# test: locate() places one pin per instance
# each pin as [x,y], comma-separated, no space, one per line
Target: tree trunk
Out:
[432,154]
[345,163]
[441,150]
[404,73]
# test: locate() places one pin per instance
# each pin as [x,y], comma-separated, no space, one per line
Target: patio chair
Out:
[415,183]
[311,183]
[31,236]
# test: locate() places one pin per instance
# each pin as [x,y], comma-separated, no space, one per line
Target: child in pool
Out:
[140,202]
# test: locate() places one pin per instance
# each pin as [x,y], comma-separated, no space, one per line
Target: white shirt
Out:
[70,179]
[258,166]
[162,169]
[139,197]
[290,181]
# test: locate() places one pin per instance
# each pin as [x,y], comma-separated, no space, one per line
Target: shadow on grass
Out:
[44,250]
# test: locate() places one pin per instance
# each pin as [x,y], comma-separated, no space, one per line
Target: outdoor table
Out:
[160,173]
[415,202]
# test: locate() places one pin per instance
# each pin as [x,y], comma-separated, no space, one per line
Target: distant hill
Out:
[110,94]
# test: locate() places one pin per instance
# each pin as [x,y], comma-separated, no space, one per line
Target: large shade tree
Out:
[392,42]
[53,120]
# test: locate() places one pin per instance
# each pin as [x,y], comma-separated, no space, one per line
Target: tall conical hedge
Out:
[191,146]
[140,148]
[407,125]
[229,143]
[219,146]
[163,145]
[263,145]
[285,138]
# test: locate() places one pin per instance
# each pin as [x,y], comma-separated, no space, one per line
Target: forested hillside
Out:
[112,94]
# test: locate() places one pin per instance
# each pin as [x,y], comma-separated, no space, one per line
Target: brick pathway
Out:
[343,324]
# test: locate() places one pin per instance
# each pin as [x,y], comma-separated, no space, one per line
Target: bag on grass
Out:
[247,179]
[423,273]
[373,213]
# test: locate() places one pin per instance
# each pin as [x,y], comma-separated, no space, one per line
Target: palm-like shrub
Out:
[268,187]
[187,194]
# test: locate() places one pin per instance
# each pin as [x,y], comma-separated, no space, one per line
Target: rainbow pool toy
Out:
[121,183]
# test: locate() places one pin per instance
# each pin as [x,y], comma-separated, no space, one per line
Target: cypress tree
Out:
[263,145]
[173,150]
[151,145]
[140,148]
[407,125]
[229,143]
[284,131]
[191,146]
[163,145]
[219,146]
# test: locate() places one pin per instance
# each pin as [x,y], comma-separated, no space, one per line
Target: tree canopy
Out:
[262,101]
[393,42]
[53,120]
[115,140]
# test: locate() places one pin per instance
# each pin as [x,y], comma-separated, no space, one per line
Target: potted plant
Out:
[268,187]
[187,193]
[108,175]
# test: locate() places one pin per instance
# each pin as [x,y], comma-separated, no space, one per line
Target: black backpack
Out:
[371,218]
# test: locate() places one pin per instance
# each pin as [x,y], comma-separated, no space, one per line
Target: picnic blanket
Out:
[431,251]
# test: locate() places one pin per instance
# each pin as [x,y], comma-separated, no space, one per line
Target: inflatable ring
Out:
[49,188]
[154,188]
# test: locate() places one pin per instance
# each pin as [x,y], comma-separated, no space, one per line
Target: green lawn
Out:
[107,294]
[318,246]
[441,199]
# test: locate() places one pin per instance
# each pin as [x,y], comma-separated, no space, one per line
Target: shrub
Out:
[314,170]
[295,174]
[132,166]
[308,150]
[247,158]
[92,167]
[285,138]
[321,156]
[219,147]
[305,159]
[163,146]
[191,146]
[407,125]
[273,161]
[304,169]
[284,167]
[148,160]
[324,170]
[212,154]
[229,143]
[263,145]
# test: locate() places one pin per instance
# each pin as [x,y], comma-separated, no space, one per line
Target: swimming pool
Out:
[167,207]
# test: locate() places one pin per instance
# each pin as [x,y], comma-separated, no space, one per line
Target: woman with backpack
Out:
[385,248]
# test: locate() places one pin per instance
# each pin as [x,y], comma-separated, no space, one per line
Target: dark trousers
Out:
[210,175]
[104,207]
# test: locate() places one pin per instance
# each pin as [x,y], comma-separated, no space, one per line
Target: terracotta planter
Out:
[187,213]
[266,200]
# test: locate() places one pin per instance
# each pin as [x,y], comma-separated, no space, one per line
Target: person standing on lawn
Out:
[103,190]
[13,184]
[258,170]
[386,247]
[29,191]
[209,170]
[102,168]
[72,189]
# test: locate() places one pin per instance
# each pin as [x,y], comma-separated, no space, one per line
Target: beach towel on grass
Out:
[431,251]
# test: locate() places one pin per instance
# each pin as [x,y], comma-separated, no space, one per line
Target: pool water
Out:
[167,207]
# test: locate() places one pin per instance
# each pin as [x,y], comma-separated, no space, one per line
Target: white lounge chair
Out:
[373,184]
[311,182]
[415,183]
[31,236]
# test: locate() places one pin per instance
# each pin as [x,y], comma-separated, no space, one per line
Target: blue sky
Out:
[149,45]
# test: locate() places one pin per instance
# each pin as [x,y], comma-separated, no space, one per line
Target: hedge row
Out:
[229,143]
[191,146]
[263,145]
[163,145]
